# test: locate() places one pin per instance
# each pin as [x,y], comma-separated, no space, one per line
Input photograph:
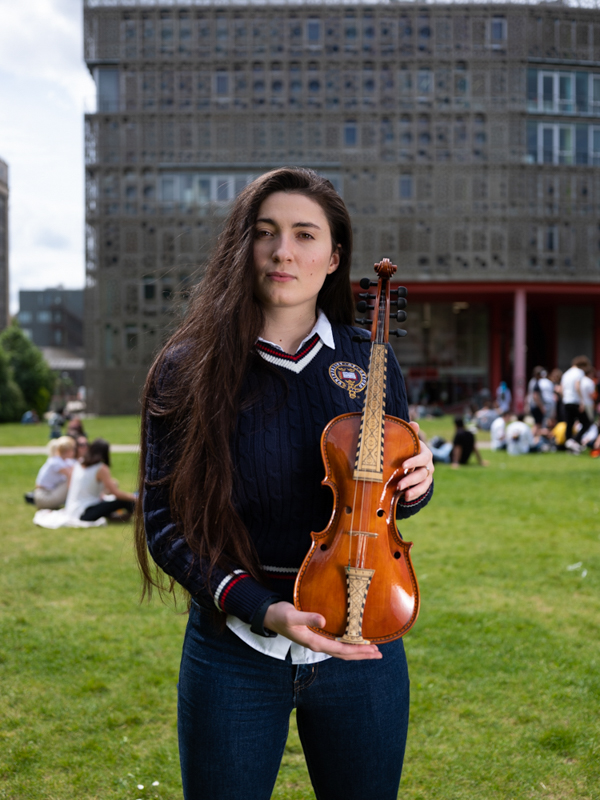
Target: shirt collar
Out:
[322,327]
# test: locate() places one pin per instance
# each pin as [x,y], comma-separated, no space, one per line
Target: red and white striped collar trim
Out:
[321,334]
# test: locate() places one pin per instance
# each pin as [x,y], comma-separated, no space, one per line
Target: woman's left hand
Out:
[417,482]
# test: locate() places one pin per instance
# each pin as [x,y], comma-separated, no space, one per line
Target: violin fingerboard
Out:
[369,455]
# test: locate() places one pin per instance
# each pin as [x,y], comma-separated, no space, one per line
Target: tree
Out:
[12,403]
[31,372]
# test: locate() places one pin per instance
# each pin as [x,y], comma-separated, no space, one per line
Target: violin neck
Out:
[369,455]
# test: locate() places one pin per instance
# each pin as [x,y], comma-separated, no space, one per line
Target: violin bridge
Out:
[363,533]
[359,580]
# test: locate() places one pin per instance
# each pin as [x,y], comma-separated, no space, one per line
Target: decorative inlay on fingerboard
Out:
[369,456]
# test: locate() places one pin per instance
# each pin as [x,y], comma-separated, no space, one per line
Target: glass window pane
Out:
[581,144]
[548,145]
[406,187]
[548,91]
[107,86]
[203,191]
[223,190]
[350,134]
[581,91]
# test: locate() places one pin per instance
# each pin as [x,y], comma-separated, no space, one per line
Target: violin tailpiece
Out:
[359,581]
[369,456]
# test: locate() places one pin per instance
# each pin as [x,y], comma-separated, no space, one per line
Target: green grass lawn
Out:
[116,430]
[504,659]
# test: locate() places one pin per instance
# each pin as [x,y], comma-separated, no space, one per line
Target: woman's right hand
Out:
[283,618]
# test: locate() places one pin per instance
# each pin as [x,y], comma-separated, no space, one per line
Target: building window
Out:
[563,92]
[406,187]
[107,88]
[350,134]
[44,316]
[149,288]
[548,239]
[498,32]
[424,84]
[222,84]
[313,31]
[25,316]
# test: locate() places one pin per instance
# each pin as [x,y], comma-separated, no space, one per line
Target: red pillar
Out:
[495,344]
[520,350]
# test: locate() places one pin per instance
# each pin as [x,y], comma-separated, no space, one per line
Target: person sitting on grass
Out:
[519,438]
[464,445]
[52,482]
[498,431]
[93,493]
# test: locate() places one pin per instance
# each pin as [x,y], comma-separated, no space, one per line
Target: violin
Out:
[358,573]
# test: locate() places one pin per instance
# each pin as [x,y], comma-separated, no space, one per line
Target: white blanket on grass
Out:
[61,519]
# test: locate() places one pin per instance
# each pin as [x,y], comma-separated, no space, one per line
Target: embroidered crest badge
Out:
[348,376]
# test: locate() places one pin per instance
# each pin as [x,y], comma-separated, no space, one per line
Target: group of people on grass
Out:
[563,408]
[74,487]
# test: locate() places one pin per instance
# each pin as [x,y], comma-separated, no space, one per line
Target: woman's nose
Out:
[282,250]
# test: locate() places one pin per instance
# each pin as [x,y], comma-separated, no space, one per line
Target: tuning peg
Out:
[399,332]
[360,339]
[399,303]
[362,306]
[401,291]
[365,283]
[400,316]
[367,296]
[364,321]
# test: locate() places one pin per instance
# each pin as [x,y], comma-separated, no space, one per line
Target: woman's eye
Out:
[263,234]
[305,235]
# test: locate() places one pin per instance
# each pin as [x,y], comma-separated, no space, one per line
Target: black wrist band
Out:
[258,619]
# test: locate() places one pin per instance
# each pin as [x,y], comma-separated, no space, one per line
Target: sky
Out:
[45,88]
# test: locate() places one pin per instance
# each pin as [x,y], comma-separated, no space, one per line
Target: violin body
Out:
[358,573]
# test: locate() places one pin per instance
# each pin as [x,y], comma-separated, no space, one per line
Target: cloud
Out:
[52,239]
[44,89]
[43,39]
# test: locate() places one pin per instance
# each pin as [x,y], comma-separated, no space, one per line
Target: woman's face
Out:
[292,252]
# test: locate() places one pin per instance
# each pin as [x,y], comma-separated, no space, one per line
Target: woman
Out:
[93,493]
[231,471]
[52,482]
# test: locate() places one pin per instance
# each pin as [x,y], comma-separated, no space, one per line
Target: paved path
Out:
[43,451]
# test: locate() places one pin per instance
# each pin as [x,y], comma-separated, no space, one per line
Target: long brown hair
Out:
[206,360]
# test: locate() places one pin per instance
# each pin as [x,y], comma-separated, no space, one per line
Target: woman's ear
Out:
[334,261]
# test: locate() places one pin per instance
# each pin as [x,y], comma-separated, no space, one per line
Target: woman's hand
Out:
[417,482]
[283,618]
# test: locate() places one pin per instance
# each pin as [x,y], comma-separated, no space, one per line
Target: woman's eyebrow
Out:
[269,221]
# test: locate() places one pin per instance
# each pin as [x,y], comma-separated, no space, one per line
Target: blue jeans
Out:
[233,718]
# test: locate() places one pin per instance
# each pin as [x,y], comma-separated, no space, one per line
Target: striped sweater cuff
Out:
[241,595]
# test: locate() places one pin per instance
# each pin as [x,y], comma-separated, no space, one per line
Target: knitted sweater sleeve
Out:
[232,590]
[397,406]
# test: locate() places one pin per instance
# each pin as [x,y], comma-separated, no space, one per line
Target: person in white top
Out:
[573,400]
[93,493]
[498,431]
[588,392]
[519,438]
[52,482]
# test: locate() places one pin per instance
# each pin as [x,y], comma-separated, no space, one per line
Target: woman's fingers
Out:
[283,618]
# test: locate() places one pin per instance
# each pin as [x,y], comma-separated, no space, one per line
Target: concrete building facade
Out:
[4,298]
[464,138]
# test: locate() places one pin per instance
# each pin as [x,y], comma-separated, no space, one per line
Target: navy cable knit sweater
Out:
[278,473]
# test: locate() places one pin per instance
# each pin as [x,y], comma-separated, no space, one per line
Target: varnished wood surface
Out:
[392,602]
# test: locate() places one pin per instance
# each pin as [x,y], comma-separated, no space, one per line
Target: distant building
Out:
[52,317]
[53,320]
[4,306]
[464,138]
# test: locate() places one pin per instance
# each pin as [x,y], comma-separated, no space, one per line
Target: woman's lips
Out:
[281,277]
